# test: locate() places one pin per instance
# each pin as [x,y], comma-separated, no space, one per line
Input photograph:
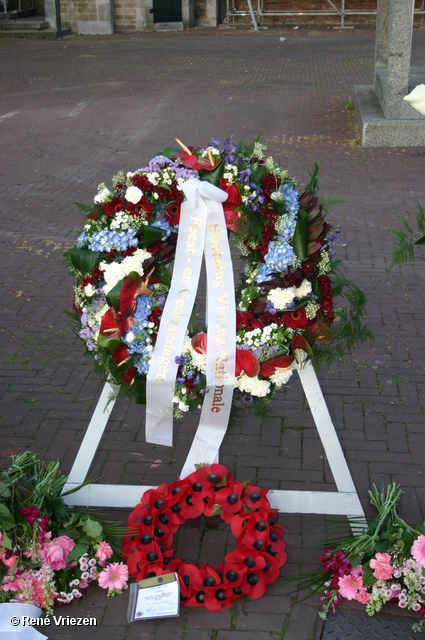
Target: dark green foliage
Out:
[403,241]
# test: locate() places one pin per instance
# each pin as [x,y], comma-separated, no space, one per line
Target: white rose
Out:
[133,194]
[130,336]
[183,406]
[104,196]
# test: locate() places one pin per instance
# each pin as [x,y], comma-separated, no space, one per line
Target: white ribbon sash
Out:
[202,229]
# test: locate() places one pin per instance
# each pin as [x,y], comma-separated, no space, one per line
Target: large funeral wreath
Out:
[285,298]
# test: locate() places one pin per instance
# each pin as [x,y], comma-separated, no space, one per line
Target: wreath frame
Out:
[211,490]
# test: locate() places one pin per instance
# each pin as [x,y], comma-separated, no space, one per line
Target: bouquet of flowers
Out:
[285,300]
[384,564]
[48,554]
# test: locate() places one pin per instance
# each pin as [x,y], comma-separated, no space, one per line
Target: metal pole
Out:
[58,20]
[252,15]
[342,13]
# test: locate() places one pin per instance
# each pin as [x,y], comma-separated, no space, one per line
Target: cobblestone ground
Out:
[75,112]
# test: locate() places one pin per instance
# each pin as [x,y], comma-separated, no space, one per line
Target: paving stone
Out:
[55,158]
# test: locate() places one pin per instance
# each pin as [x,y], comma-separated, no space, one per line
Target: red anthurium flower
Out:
[268,368]
[132,287]
[128,376]
[247,363]
[299,342]
[120,355]
[199,343]
[108,325]
[191,161]
[234,200]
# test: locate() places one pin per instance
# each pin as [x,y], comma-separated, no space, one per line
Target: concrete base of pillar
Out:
[378,131]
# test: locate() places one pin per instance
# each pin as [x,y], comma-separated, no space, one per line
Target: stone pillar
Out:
[144,15]
[394,26]
[382,30]
[103,25]
[188,14]
[50,13]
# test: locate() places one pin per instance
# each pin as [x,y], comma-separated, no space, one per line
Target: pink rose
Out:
[382,565]
[56,552]
[103,553]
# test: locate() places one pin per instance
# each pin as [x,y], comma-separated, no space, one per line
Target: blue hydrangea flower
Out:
[292,200]
[141,347]
[279,257]
[107,240]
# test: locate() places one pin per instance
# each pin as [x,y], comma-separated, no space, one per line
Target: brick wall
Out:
[125,15]
[74,10]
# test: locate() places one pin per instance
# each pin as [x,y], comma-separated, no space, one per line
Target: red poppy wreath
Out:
[211,490]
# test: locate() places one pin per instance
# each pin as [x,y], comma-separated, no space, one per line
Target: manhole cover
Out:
[343,627]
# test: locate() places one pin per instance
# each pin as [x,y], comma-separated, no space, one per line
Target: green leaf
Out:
[106,342]
[6,543]
[213,176]
[170,151]
[368,578]
[355,561]
[60,510]
[92,528]
[151,235]
[420,528]
[140,388]
[299,241]
[79,550]
[407,538]
[7,521]
[381,546]
[420,241]
[4,490]
[83,260]
[87,208]
[113,297]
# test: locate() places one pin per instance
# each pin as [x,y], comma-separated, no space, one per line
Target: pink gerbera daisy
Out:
[114,576]
[418,550]
[349,586]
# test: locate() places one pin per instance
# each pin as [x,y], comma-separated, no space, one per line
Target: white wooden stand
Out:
[343,502]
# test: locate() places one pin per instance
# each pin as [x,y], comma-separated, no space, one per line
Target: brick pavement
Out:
[75,112]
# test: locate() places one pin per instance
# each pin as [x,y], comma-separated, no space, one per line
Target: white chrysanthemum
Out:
[198,359]
[281,298]
[116,271]
[304,289]
[281,376]
[183,406]
[89,290]
[133,194]
[254,386]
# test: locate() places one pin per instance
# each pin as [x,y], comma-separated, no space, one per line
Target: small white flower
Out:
[183,406]
[130,336]
[84,575]
[103,196]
